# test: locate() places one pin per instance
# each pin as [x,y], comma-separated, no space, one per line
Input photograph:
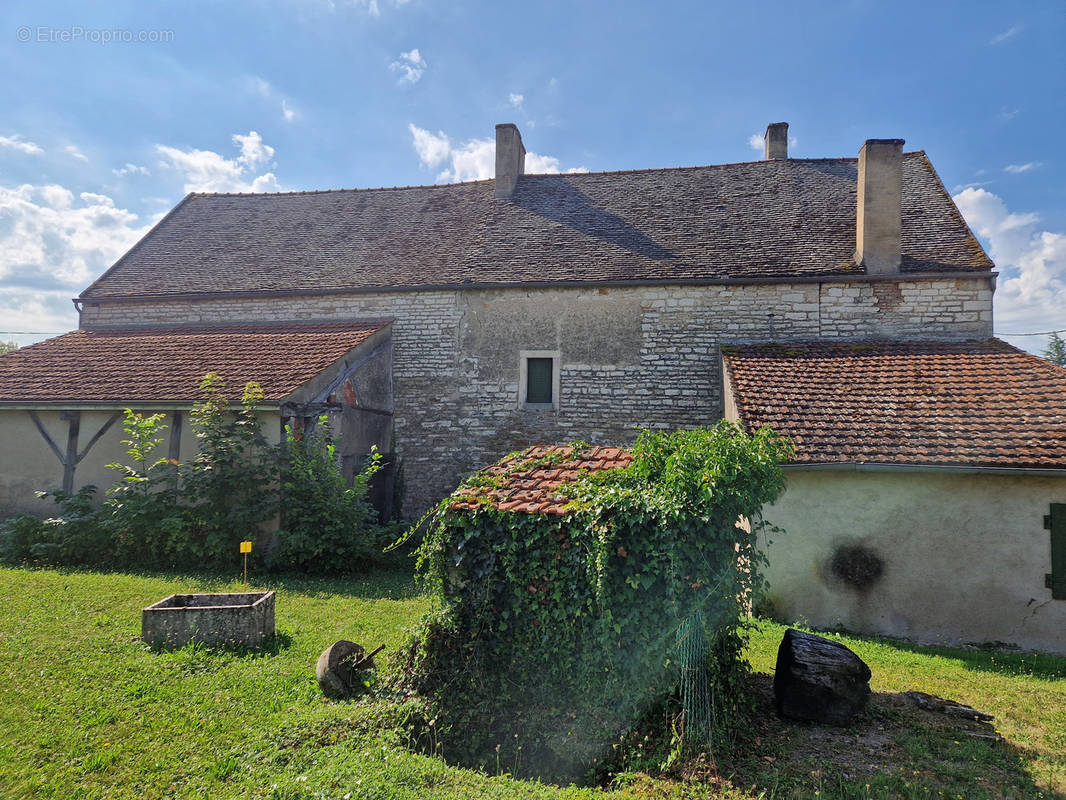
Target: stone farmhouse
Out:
[456,323]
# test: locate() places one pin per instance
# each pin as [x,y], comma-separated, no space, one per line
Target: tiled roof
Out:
[976,403]
[761,219]
[168,364]
[528,482]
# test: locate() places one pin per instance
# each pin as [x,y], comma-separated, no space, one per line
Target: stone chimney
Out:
[776,139]
[880,191]
[510,159]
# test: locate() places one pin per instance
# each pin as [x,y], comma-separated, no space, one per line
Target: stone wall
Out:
[632,356]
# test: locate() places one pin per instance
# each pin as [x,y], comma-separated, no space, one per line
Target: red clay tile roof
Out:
[782,218]
[155,364]
[527,482]
[976,403]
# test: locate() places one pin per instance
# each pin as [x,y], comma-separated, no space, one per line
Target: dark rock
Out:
[340,668]
[819,680]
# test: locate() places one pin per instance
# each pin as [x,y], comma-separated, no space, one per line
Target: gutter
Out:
[848,466]
[113,405]
[589,284]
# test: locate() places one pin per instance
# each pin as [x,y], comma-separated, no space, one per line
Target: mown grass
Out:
[87,710]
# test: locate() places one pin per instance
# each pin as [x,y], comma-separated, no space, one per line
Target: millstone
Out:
[819,680]
[336,672]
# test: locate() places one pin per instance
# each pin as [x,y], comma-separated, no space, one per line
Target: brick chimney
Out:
[877,222]
[510,159]
[776,138]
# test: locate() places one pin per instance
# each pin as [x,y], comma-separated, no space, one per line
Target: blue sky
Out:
[113,114]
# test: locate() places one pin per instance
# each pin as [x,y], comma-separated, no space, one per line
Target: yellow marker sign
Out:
[246,547]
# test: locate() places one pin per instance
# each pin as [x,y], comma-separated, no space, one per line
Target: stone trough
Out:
[241,618]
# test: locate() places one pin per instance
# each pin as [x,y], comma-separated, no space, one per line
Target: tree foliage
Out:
[1055,352]
[556,633]
[326,525]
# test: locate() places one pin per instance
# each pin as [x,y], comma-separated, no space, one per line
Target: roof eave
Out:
[966,469]
[833,277]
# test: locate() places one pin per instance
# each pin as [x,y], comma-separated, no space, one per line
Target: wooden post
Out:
[70,462]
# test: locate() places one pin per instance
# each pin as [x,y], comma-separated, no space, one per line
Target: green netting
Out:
[695,683]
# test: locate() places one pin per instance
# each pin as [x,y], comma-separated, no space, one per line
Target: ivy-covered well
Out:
[565,575]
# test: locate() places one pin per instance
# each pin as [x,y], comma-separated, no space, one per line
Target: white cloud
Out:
[253,151]
[473,160]
[17,142]
[73,151]
[53,244]
[1007,35]
[516,100]
[432,148]
[207,171]
[757,141]
[373,7]
[131,169]
[1031,295]
[410,67]
[1017,169]
[264,88]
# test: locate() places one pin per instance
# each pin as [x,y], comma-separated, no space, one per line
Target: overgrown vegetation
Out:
[89,711]
[160,513]
[556,634]
[327,525]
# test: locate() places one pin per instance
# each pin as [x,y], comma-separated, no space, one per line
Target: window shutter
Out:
[539,380]
[1056,523]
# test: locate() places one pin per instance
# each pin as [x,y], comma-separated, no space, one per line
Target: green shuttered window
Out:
[1056,523]
[539,380]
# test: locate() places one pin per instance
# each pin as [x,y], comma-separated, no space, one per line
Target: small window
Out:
[538,381]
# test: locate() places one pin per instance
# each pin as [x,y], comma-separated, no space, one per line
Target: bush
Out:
[142,508]
[556,634]
[161,513]
[79,535]
[326,525]
[231,487]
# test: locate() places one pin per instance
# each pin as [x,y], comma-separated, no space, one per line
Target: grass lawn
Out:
[87,710]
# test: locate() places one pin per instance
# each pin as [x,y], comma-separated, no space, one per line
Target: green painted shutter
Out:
[538,380]
[1056,523]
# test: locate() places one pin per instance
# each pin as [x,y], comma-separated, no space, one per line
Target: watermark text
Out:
[46,34]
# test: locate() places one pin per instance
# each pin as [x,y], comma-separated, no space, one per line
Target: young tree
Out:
[7,347]
[1055,352]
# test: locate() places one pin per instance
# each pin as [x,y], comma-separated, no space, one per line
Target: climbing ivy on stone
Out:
[555,634]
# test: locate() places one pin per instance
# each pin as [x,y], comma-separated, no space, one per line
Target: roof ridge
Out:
[691,167]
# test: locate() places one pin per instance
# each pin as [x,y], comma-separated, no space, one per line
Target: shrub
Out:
[161,513]
[557,633]
[326,525]
[79,535]
[142,509]
[231,487]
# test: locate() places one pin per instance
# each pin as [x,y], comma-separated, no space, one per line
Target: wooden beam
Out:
[96,436]
[71,461]
[47,438]
[174,452]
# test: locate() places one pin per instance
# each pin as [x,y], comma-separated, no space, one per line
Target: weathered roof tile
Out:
[167,364]
[525,485]
[763,219]
[975,403]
